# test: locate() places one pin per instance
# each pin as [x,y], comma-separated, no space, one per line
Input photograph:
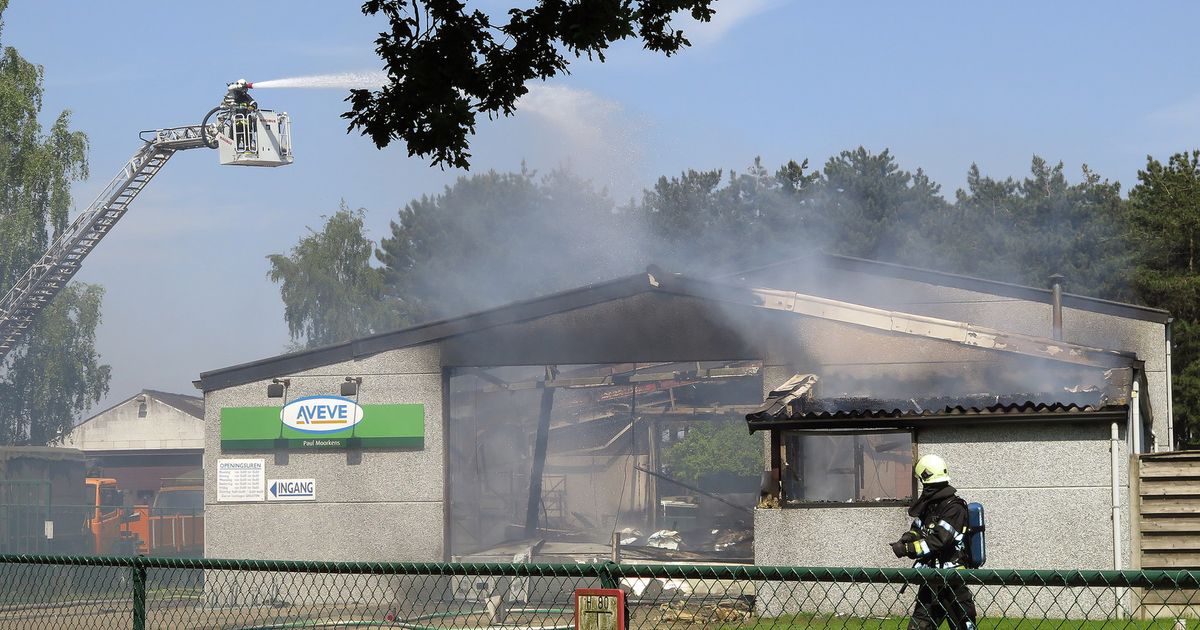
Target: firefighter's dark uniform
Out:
[936,541]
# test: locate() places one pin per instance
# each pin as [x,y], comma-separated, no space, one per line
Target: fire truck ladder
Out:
[41,282]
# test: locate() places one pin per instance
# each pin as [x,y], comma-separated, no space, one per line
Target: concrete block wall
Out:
[1047,493]
[371,505]
[123,428]
[1040,482]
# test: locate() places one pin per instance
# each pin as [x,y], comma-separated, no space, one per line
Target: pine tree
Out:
[1164,209]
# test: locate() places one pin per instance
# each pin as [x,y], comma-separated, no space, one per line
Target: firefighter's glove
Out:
[898,549]
[911,535]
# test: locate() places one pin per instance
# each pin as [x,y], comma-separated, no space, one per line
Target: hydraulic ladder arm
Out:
[238,143]
[41,282]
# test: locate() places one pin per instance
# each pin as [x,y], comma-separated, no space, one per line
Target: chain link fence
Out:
[47,592]
[44,528]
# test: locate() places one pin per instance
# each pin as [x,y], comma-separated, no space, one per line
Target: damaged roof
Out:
[803,412]
[655,280]
[957,281]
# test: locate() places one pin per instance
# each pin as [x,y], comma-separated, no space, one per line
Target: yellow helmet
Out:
[931,469]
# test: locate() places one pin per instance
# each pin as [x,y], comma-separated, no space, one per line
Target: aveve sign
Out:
[321,414]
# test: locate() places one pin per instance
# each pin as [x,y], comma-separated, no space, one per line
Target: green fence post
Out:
[607,579]
[139,594]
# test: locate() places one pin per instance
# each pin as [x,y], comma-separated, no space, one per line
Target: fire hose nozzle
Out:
[240,84]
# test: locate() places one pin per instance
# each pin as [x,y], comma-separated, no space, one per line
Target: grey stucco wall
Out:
[1046,489]
[370,505]
[121,428]
[1037,482]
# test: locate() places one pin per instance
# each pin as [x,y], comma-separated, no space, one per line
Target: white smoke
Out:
[591,135]
[580,130]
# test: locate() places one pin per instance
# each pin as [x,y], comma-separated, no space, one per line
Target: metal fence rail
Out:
[46,592]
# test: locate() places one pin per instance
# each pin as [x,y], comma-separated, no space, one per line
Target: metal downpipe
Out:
[1114,446]
[1056,321]
[1170,394]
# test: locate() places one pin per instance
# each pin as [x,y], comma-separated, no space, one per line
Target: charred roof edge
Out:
[424,333]
[939,420]
[981,285]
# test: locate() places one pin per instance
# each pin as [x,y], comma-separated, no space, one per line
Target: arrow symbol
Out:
[273,493]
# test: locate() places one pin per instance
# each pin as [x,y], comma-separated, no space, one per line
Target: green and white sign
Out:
[322,422]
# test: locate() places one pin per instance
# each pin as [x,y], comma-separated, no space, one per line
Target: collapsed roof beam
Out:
[909,324]
[777,401]
[625,378]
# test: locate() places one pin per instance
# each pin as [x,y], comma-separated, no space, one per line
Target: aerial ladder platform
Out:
[243,134]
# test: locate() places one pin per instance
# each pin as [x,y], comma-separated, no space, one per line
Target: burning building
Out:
[547,429]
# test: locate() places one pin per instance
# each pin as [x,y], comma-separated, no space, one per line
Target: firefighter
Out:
[241,106]
[238,97]
[935,540]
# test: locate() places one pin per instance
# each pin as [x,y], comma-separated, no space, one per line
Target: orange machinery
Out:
[173,525]
[109,521]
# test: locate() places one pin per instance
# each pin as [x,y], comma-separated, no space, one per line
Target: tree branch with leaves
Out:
[447,64]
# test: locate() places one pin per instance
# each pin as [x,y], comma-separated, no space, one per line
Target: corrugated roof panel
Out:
[976,407]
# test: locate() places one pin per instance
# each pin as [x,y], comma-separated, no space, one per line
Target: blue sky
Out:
[941,84]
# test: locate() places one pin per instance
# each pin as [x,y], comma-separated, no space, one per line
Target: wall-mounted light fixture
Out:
[277,388]
[350,386]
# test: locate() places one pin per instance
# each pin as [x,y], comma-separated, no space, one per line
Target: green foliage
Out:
[1024,231]
[860,204]
[494,238]
[448,64]
[870,207]
[753,216]
[1185,381]
[864,204]
[710,448]
[56,374]
[1164,210]
[330,291]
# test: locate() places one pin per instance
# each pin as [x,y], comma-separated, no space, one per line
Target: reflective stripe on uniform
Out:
[937,565]
[957,535]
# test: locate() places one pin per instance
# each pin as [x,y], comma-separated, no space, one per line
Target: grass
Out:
[891,623]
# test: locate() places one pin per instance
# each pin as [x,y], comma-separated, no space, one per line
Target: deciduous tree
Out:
[56,373]
[330,291]
[714,448]
[447,63]
[494,238]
